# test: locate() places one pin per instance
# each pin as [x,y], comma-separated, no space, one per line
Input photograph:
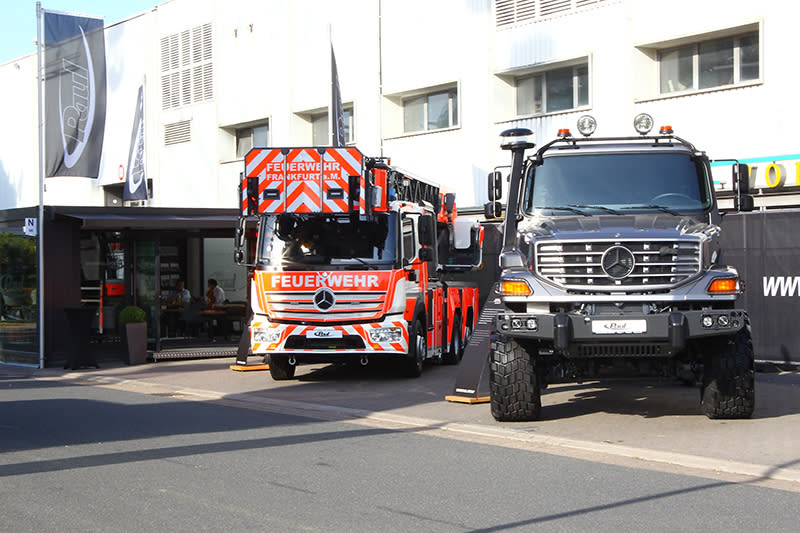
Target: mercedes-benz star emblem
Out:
[618,262]
[324,299]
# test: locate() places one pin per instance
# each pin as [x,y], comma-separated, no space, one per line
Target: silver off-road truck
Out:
[611,265]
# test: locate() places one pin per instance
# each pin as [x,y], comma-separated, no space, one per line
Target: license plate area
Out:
[324,333]
[619,327]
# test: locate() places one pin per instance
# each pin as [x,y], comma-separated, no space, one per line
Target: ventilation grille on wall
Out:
[187,68]
[177,132]
[509,12]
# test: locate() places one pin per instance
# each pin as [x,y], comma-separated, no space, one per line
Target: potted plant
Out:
[133,321]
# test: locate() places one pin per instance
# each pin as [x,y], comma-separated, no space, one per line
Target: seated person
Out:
[215,295]
[181,295]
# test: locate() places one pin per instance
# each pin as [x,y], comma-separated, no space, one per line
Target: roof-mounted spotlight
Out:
[643,123]
[516,138]
[587,125]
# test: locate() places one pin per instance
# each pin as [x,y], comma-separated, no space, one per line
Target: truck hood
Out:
[637,226]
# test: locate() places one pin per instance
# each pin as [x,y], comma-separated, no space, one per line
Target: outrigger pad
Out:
[249,368]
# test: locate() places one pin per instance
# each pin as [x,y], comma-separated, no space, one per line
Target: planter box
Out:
[136,342]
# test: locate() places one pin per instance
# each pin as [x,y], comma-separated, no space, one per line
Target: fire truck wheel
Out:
[514,388]
[416,351]
[453,355]
[729,377]
[279,367]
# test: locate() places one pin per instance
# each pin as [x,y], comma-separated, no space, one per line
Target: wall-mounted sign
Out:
[29,228]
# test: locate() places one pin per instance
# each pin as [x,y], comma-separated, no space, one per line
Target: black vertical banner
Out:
[75,94]
[338,137]
[135,182]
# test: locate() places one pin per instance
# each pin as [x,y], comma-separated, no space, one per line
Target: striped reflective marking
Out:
[361,330]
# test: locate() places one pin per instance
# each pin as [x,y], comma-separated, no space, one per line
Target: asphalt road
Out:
[194,446]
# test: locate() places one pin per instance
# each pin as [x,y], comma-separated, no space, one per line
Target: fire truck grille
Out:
[348,306]
[618,266]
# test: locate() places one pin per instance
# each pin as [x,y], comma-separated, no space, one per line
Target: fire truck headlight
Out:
[268,336]
[390,334]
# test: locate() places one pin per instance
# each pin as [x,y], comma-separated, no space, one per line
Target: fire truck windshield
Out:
[316,242]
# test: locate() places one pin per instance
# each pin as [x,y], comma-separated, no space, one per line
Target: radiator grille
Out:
[655,265]
[299,307]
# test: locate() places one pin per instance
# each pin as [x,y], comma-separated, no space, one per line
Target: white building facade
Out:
[429,84]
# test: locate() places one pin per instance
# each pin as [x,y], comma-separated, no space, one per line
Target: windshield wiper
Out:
[600,207]
[659,207]
[369,266]
[563,208]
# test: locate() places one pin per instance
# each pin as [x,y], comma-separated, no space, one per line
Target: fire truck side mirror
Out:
[426,254]
[495,180]
[426,230]
[238,254]
[449,202]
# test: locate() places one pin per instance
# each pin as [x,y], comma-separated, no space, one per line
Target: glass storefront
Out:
[108,267]
[19,332]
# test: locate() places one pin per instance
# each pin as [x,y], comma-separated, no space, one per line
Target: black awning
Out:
[144,218]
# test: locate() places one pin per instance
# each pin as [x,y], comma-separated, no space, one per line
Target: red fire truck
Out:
[352,260]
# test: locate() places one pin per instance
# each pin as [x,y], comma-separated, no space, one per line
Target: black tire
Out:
[514,387]
[728,389]
[417,348]
[280,369]
[456,348]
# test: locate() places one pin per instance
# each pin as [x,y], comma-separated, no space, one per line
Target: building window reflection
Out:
[19,335]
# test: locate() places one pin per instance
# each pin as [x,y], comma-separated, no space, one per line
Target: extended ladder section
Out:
[411,189]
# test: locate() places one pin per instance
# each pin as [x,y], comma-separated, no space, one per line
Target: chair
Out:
[192,319]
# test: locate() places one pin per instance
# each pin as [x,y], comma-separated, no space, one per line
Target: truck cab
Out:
[351,261]
[612,265]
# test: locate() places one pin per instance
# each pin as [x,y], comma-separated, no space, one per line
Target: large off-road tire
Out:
[279,367]
[417,348]
[453,354]
[728,389]
[514,388]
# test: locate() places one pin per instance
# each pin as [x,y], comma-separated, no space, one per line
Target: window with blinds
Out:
[187,68]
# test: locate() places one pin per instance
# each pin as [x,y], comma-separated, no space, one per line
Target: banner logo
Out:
[75,94]
[135,185]
[76,100]
[781,285]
